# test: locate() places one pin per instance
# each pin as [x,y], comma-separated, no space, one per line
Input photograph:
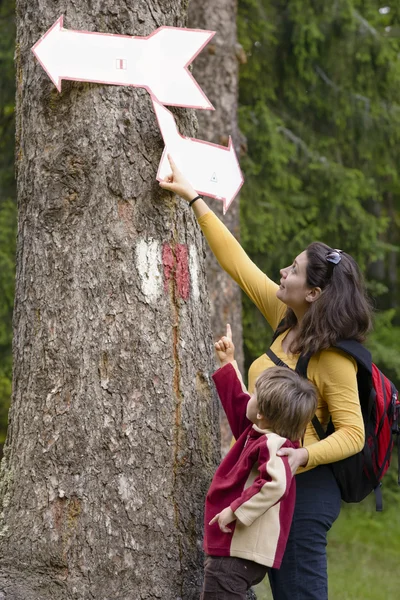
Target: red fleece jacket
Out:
[255,482]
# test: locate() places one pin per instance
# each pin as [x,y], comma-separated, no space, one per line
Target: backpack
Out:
[362,473]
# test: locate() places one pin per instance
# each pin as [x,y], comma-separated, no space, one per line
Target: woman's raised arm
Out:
[227,250]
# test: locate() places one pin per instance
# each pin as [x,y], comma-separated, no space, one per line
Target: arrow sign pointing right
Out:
[211,169]
[158,62]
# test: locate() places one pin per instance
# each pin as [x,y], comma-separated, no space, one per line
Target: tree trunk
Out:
[217,71]
[113,433]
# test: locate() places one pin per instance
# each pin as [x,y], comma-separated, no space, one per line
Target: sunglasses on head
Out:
[334,256]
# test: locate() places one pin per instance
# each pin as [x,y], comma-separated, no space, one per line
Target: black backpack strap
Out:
[277,332]
[378,498]
[398,459]
[302,363]
[301,369]
[321,433]
[368,457]
[275,359]
[357,351]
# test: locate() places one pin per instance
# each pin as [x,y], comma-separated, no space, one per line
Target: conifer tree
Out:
[319,104]
[113,434]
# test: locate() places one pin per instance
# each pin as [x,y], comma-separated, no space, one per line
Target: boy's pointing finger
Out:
[214,519]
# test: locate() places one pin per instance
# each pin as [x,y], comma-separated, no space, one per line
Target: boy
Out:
[249,505]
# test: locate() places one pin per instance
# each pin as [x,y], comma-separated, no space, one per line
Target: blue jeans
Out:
[303,573]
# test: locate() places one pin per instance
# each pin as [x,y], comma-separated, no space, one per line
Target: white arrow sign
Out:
[158,62]
[211,169]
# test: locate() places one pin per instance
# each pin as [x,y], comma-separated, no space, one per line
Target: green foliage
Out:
[368,563]
[319,108]
[7,204]
[5,394]
[7,94]
[7,268]
[384,344]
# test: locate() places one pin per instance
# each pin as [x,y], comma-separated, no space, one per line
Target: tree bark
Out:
[217,71]
[113,433]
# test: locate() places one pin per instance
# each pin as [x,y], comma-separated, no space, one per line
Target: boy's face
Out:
[252,408]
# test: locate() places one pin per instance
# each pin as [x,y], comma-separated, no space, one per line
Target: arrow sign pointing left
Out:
[211,169]
[158,62]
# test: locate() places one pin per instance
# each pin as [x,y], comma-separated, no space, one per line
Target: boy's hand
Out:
[225,517]
[225,349]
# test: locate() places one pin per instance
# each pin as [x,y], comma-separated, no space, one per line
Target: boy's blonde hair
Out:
[287,401]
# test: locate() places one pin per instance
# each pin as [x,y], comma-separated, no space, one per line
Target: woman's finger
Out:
[228,332]
[284,452]
[174,168]
[167,186]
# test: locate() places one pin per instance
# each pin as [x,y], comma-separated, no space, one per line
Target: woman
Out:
[322,298]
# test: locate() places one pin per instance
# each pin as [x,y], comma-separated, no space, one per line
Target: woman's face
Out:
[293,289]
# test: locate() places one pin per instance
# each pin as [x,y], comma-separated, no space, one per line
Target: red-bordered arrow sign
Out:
[211,169]
[158,62]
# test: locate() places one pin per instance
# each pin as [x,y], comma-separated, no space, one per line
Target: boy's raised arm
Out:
[231,391]
[233,398]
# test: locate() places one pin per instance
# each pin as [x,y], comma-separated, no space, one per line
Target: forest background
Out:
[319,107]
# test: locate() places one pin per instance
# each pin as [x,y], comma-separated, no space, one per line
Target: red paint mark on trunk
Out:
[168,260]
[182,277]
[176,265]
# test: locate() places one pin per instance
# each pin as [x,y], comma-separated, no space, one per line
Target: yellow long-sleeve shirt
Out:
[333,372]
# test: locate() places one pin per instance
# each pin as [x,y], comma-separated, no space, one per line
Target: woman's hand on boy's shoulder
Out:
[225,348]
[297,457]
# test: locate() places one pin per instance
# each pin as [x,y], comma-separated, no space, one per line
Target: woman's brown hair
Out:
[342,311]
